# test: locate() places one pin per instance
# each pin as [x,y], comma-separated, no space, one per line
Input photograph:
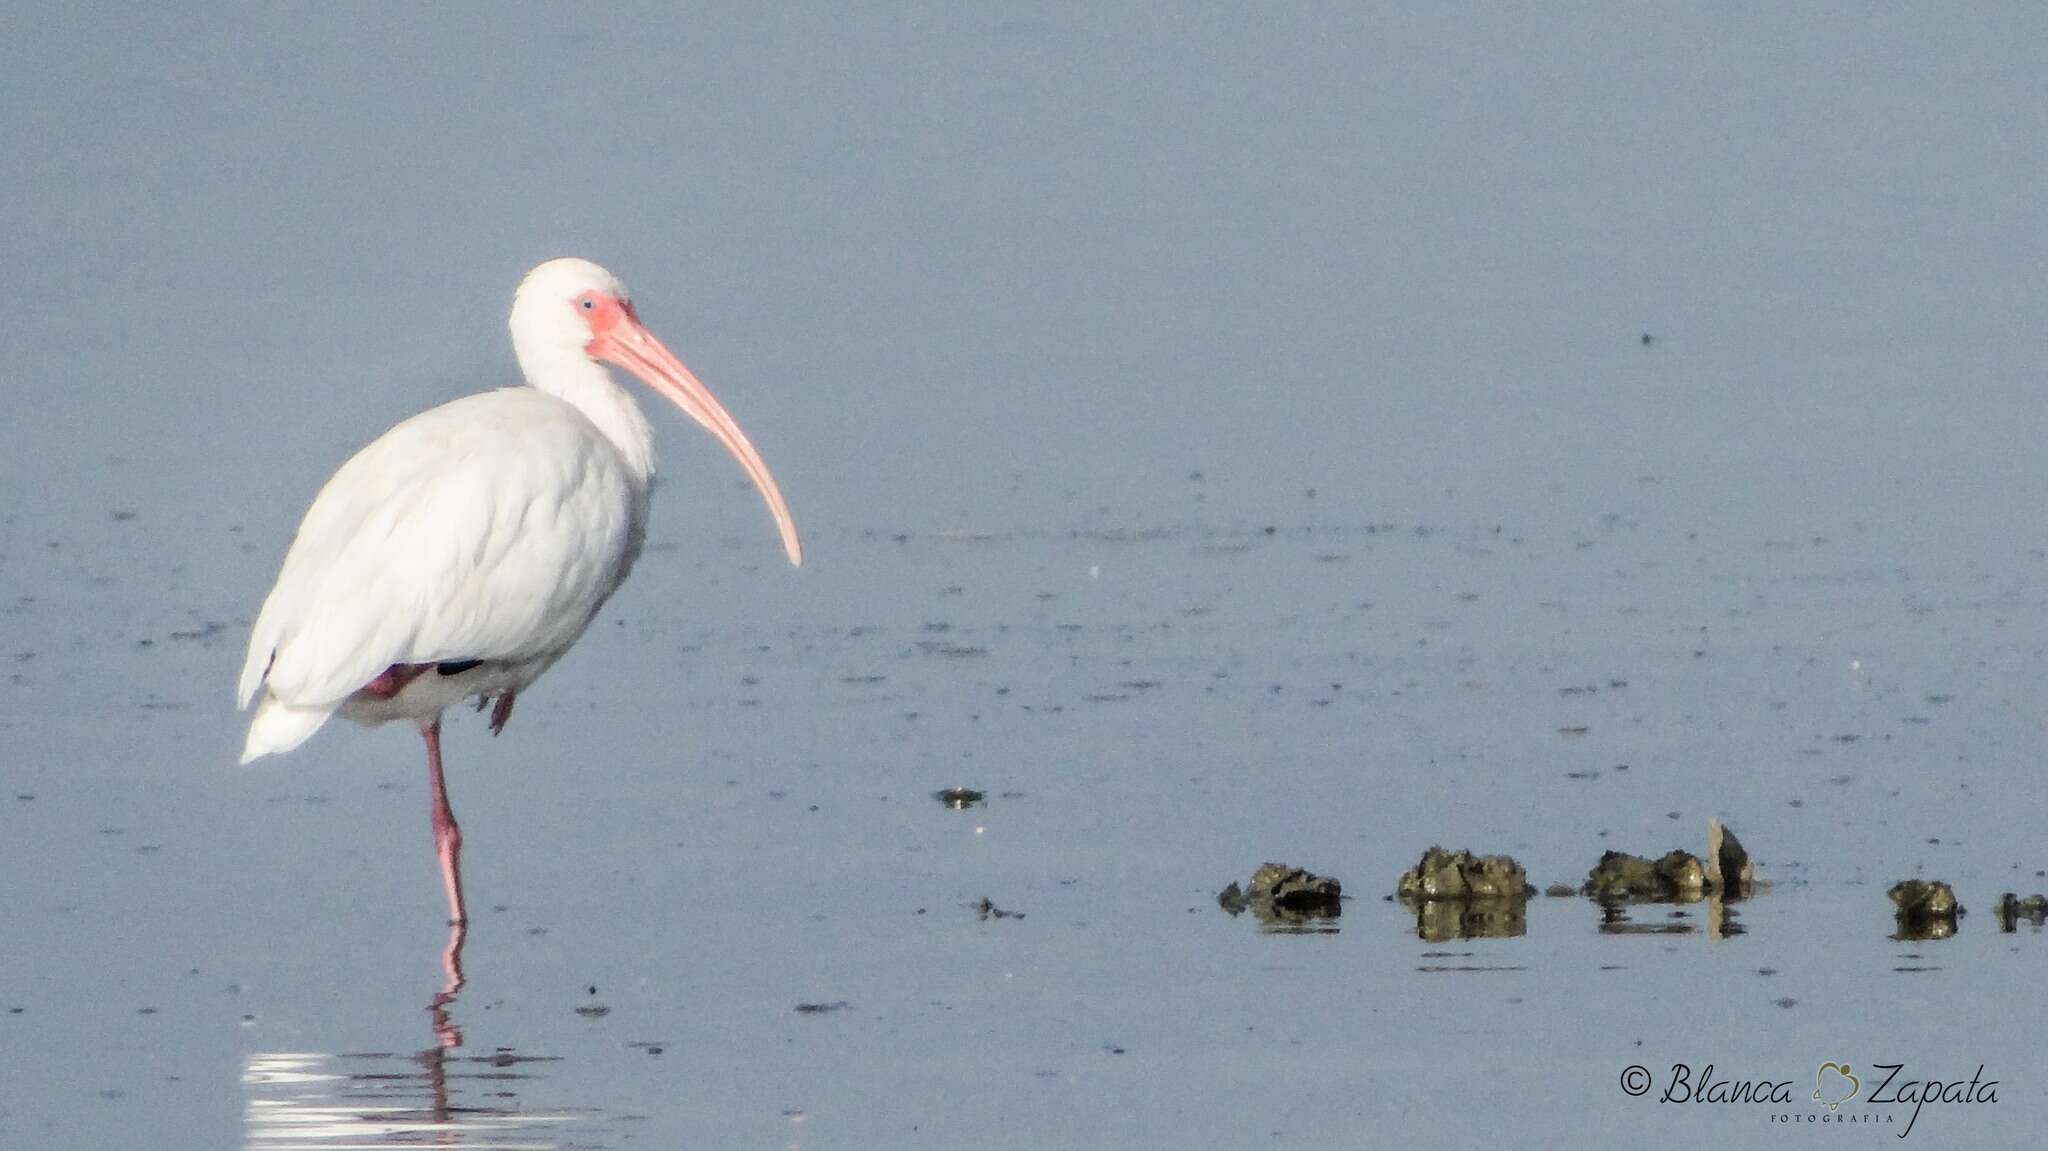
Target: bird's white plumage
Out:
[492,527]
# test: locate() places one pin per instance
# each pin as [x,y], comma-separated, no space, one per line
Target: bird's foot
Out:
[500,712]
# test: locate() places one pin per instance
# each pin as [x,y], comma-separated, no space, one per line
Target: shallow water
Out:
[1216,440]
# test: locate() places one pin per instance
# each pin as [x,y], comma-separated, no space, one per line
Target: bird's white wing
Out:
[492,527]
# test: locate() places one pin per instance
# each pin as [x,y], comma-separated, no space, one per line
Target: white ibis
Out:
[461,553]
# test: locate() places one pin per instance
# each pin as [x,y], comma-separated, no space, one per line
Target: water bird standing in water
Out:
[461,554]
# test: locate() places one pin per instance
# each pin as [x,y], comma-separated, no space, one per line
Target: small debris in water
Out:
[2012,909]
[1927,909]
[988,910]
[1560,891]
[950,650]
[960,798]
[821,1008]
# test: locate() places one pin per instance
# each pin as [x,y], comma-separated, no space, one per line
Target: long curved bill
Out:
[632,347]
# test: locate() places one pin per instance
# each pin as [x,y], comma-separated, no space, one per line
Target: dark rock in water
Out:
[1293,889]
[1925,897]
[1678,876]
[1461,875]
[1560,891]
[1286,899]
[2012,909]
[1927,909]
[1457,895]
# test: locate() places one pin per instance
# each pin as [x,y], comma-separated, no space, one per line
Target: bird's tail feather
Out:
[279,727]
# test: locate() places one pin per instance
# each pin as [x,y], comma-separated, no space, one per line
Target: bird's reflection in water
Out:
[437,1097]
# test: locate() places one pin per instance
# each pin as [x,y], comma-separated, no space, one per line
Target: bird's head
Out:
[569,313]
[564,307]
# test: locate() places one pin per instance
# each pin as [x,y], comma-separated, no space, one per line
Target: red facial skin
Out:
[604,314]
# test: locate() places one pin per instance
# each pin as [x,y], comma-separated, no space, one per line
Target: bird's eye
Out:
[588,303]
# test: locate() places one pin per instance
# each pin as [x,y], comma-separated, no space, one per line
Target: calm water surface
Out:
[1218,438]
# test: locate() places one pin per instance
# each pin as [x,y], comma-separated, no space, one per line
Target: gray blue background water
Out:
[1220,434]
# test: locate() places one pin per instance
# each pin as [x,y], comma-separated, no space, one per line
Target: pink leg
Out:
[447,1033]
[447,836]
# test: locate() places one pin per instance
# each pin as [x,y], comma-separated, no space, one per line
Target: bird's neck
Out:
[590,389]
